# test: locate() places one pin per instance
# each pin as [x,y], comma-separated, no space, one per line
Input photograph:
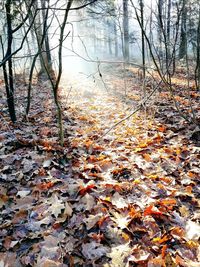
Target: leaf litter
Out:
[130,198]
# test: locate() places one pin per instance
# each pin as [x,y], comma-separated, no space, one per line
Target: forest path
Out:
[130,198]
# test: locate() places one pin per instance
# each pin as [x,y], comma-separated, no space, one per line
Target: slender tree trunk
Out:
[197,69]
[160,15]
[9,80]
[116,39]
[141,3]
[109,38]
[183,35]
[169,22]
[60,68]
[126,30]
[45,57]
[169,27]
[47,60]
[143,38]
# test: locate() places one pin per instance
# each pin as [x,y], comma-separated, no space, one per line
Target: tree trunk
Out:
[197,69]
[183,34]
[168,21]
[9,80]
[160,27]
[116,39]
[126,30]
[143,39]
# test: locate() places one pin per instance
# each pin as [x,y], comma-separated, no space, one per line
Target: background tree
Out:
[126,29]
[183,34]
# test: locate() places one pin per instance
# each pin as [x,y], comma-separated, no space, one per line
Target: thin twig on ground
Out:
[139,106]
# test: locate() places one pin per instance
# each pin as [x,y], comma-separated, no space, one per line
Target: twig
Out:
[101,76]
[139,106]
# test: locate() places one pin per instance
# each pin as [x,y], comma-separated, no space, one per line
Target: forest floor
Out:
[126,198]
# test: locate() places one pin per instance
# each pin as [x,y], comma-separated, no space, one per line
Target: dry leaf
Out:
[94,250]
[57,206]
[92,220]
[192,230]
[119,201]
[118,255]
[88,201]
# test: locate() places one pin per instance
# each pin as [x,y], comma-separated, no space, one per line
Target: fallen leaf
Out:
[94,250]
[92,220]
[23,193]
[88,201]
[169,262]
[118,255]
[192,230]
[57,205]
[87,189]
[119,201]
[151,210]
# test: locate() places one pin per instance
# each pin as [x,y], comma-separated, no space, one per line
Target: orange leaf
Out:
[164,239]
[42,172]
[132,212]
[87,189]
[166,202]
[45,186]
[162,128]
[177,231]
[92,159]
[164,250]
[116,187]
[191,174]
[188,189]
[166,180]
[88,143]
[56,226]
[102,220]
[147,157]
[151,210]
[97,237]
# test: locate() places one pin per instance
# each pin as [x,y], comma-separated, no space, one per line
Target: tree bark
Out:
[197,69]
[9,80]
[183,34]
[126,30]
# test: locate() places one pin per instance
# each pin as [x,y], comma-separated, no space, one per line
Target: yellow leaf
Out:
[192,244]
[125,237]
[169,261]
[156,239]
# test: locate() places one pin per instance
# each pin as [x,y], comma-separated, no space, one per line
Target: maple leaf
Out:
[94,250]
[92,220]
[87,189]
[57,205]
[121,220]
[119,201]
[192,230]
[118,255]
[151,210]
[46,185]
[141,257]
[88,201]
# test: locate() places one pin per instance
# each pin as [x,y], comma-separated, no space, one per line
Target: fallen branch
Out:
[139,106]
